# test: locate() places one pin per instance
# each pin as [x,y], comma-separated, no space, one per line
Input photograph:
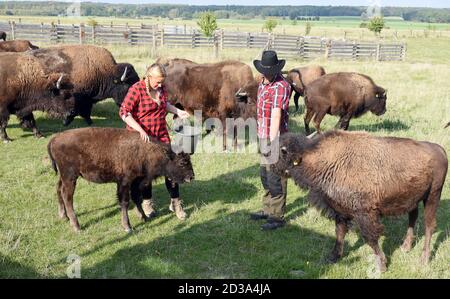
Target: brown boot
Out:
[149,210]
[176,206]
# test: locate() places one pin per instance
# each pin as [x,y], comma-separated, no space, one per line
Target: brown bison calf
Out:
[17,46]
[356,176]
[301,77]
[107,155]
[346,95]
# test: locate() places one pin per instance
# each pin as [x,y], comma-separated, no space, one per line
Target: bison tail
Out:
[49,150]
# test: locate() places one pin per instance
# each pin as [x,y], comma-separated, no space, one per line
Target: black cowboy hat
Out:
[269,64]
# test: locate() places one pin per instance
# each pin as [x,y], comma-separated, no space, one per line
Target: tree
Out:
[92,22]
[376,24]
[270,25]
[207,23]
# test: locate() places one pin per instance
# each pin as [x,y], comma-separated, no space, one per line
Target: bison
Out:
[17,46]
[345,95]
[212,88]
[353,176]
[111,155]
[27,87]
[301,77]
[3,35]
[94,73]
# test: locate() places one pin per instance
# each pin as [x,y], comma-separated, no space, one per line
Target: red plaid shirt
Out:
[146,112]
[272,95]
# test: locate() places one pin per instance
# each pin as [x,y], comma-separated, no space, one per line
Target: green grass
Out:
[218,240]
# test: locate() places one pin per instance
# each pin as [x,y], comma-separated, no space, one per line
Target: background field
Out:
[218,240]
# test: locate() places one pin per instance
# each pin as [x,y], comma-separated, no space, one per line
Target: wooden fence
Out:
[301,47]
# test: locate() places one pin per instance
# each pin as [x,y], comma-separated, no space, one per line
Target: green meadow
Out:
[218,240]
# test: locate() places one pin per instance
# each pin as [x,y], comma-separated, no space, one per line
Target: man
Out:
[272,112]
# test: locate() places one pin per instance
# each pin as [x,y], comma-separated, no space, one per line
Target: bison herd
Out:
[351,176]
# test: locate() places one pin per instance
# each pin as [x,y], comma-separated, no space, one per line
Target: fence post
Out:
[162,37]
[248,39]
[216,45]
[378,52]
[153,41]
[403,51]
[302,47]
[93,34]
[327,49]
[81,33]
[355,48]
[193,38]
[13,30]
[222,39]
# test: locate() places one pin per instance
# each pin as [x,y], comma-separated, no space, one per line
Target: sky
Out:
[401,3]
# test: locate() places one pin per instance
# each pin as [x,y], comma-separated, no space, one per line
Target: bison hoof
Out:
[425,258]
[128,230]
[333,258]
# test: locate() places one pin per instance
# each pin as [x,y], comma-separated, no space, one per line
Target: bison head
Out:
[292,148]
[378,105]
[57,98]
[294,78]
[247,93]
[179,168]
[123,77]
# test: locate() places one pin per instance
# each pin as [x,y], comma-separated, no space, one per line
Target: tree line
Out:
[51,8]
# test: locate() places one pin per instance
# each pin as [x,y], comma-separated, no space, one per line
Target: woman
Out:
[144,110]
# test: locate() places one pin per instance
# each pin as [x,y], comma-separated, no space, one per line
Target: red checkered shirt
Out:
[146,112]
[272,95]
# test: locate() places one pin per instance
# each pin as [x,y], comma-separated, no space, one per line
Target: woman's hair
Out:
[155,70]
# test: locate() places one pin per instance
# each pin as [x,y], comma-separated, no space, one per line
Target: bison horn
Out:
[240,94]
[58,83]
[124,74]
[312,135]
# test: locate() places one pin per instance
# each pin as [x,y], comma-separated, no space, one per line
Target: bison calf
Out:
[345,95]
[359,177]
[107,155]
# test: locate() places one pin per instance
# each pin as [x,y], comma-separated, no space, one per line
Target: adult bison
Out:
[345,95]
[3,35]
[27,87]
[353,176]
[302,76]
[110,155]
[17,46]
[212,88]
[94,72]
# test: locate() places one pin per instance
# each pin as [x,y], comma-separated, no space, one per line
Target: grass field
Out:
[218,240]
[333,27]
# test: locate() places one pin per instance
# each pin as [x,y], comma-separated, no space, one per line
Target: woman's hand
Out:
[183,114]
[144,136]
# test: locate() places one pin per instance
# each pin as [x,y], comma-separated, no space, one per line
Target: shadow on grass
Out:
[386,124]
[228,246]
[13,269]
